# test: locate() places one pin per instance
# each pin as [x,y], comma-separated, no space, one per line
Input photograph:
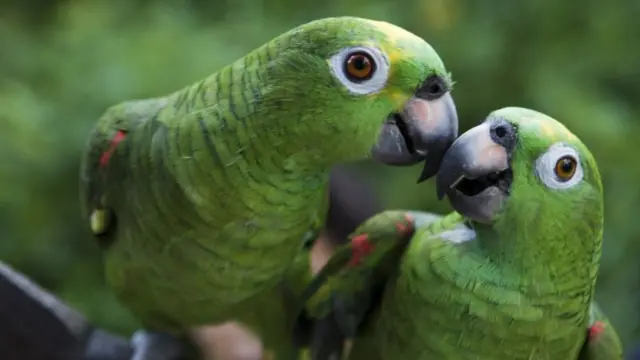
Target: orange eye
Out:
[565,168]
[359,66]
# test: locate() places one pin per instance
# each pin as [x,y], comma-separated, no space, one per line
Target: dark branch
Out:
[36,325]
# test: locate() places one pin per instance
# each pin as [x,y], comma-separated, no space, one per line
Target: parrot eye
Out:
[566,167]
[362,70]
[359,66]
[559,167]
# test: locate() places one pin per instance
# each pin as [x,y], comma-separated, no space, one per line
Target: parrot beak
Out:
[475,172]
[422,131]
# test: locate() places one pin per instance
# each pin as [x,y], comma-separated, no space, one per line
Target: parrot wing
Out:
[110,131]
[602,342]
[341,298]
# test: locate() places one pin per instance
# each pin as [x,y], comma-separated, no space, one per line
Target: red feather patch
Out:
[360,248]
[117,139]
[596,330]
[405,228]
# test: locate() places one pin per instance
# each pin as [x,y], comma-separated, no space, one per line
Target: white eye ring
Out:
[372,84]
[546,167]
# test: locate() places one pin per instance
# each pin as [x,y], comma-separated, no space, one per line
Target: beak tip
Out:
[422,178]
[441,191]
[429,170]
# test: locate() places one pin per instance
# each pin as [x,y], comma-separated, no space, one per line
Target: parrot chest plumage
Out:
[446,304]
[172,261]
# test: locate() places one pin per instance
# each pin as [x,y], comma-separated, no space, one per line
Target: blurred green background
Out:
[62,62]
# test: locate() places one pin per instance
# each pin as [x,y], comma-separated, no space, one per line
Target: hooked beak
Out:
[422,131]
[475,173]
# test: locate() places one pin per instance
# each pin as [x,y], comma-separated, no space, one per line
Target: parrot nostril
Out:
[500,131]
[503,133]
[435,89]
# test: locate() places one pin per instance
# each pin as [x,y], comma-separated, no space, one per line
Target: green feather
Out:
[518,287]
[212,191]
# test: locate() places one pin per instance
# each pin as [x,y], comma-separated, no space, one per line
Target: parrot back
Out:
[193,236]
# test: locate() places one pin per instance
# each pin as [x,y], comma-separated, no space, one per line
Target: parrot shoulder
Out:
[111,131]
[348,290]
[601,341]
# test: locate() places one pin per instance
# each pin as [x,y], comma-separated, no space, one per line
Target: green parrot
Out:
[203,200]
[509,275]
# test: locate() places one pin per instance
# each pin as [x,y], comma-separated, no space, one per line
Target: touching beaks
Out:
[422,131]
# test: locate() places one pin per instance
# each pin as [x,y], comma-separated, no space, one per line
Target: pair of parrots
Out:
[204,202]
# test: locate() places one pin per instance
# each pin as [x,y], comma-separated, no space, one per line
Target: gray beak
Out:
[421,132]
[475,173]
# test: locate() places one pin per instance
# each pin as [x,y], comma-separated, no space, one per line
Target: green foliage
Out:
[63,62]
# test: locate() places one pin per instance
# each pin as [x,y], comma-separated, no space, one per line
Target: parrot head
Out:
[521,169]
[368,88]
